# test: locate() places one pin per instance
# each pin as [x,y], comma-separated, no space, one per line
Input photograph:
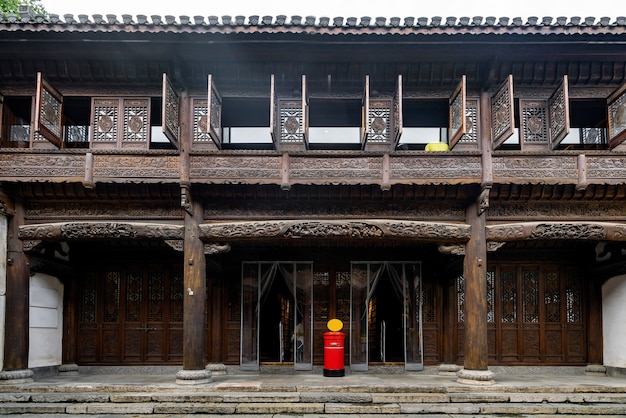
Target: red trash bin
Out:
[334,354]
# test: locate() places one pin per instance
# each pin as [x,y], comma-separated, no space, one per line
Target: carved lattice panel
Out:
[457,118]
[429,308]
[471,122]
[503,113]
[291,121]
[592,136]
[552,296]
[136,121]
[112,296]
[321,281]
[397,112]
[134,297]
[508,296]
[49,112]
[214,109]
[617,117]
[176,297]
[155,297]
[88,301]
[105,120]
[573,299]
[379,121]
[365,111]
[534,123]
[170,116]
[491,296]
[530,292]
[559,113]
[460,299]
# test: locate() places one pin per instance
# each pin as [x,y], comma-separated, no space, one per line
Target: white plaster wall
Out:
[3,282]
[46,321]
[613,325]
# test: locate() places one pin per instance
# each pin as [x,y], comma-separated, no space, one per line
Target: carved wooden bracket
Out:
[209,249]
[483,200]
[185,199]
[459,249]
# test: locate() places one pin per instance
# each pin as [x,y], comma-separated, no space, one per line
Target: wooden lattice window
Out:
[503,113]
[559,113]
[617,117]
[214,113]
[49,112]
[170,112]
[457,126]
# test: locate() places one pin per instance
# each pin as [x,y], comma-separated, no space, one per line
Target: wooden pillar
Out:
[17,302]
[194,326]
[194,265]
[474,269]
[449,328]
[475,360]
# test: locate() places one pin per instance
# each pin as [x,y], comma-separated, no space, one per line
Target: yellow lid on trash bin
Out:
[335,325]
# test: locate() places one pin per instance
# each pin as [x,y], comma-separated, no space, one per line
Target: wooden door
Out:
[131,316]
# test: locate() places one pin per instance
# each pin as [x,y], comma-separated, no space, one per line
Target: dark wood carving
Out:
[547,168]
[49,112]
[557,230]
[617,117]
[559,113]
[104,122]
[334,229]
[457,125]
[170,112]
[365,111]
[534,129]
[397,113]
[112,230]
[503,113]
[214,113]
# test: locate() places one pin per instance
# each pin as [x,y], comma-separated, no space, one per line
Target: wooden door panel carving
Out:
[130,317]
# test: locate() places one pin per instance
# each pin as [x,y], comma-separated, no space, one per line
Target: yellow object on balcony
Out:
[437,146]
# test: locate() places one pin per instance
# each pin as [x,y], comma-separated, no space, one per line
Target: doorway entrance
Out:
[385,316]
[276,314]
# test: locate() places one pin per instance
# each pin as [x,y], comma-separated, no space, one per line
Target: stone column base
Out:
[476,377]
[448,369]
[9,377]
[193,377]
[216,369]
[595,370]
[68,369]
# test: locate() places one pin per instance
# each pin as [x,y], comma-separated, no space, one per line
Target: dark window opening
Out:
[246,123]
[424,122]
[335,123]
[587,125]
[76,121]
[16,118]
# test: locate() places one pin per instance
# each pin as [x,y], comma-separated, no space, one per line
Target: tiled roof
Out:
[311,24]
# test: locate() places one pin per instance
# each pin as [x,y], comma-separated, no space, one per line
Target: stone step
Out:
[342,404]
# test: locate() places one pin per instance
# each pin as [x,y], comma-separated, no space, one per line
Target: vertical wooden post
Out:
[449,328]
[594,329]
[475,269]
[194,327]
[194,265]
[17,302]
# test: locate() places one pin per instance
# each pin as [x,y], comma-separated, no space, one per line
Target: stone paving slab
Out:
[517,408]
[346,408]
[32,408]
[336,397]
[194,408]
[410,397]
[111,408]
[439,408]
[267,397]
[69,397]
[280,408]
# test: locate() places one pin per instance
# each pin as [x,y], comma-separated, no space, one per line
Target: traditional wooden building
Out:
[193,191]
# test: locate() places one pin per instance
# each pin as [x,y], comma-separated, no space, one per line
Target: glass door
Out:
[276,314]
[385,317]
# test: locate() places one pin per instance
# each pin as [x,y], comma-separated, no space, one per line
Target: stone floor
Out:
[516,393]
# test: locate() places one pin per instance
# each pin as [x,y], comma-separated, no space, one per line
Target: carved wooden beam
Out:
[99,230]
[355,229]
[605,231]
